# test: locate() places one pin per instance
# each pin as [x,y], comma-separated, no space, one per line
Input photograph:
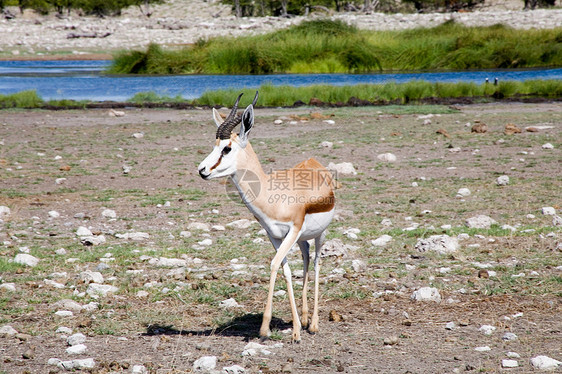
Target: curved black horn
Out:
[255,99]
[233,119]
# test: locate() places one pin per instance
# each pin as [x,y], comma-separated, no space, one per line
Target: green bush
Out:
[23,99]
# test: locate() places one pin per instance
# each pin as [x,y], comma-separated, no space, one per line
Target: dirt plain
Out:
[368,323]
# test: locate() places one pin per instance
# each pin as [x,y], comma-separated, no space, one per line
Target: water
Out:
[85,80]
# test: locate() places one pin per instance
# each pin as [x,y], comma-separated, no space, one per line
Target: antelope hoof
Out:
[296,337]
[265,333]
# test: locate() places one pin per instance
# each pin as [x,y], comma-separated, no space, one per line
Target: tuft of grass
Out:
[23,99]
[328,46]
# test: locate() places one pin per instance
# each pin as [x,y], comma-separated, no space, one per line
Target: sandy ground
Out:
[368,323]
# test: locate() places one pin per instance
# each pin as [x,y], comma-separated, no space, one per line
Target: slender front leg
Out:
[282,252]
[304,246]
[314,323]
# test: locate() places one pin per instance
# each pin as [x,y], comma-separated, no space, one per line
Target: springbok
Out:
[293,206]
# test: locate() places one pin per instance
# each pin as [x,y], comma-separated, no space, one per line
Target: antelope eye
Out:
[226,150]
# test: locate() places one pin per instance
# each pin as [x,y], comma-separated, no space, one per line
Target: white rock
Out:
[205,242]
[487,329]
[329,121]
[115,113]
[234,369]
[333,247]
[64,330]
[136,236]
[54,214]
[53,284]
[76,339]
[26,259]
[185,234]
[442,244]
[548,211]
[83,231]
[198,226]
[92,240]
[556,220]
[450,325]
[509,363]
[381,241]
[205,364]
[139,369]
[547,146]
[229,303]
[9,287]
[503,180]
[64,313]
[326,144]
[95,289]
[509,336]
[53,361]
[359,266]
[463,192]
[91,277]
[386,222]
[138,135]
[109,213]
[217,228]
[77,349]
[545,363]
[426,294]
[7,331]
[168,262]
[60,251]
[86,363]
[240,224]
[387,157]
[4,211]
[280,293]
[60,180]
[483,349]
[344,168]
[513,355]
[480,222]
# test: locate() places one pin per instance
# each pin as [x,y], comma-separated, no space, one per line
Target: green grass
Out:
[325,46]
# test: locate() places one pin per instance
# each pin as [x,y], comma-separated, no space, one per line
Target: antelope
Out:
[293,206]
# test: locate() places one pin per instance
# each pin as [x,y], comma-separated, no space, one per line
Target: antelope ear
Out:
[217,118]
[247,123]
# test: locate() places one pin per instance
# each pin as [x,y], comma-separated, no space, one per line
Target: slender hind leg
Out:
[318,241]
[304,246]
[282,248]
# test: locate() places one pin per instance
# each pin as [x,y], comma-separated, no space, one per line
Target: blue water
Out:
[85,80]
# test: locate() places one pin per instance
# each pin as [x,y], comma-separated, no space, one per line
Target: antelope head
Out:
[222,161]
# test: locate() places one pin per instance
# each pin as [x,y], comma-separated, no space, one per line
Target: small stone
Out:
[205,242]
[234,369]
[91,277]
[426,294]
[54,214]
[109,213]
[240,224]
[26,259]
[443,244]
[4,211]
[545,363]
[509,363]
[548,211]
[229,303]
[77,349]
[387,157]
[326,144]
[205,364]
[138,135]
[95,289]
[547,146]
[135,236]
[185,234]
[480,222]
[503,180]
[483,349]
[381,241]
[344,168]
[513,355]
[83,231]
[463,192]
[450,325]
[392,340]
[76,339]
[64,313]
[487,329]
[9,287]
[64,330]
[198,226]
[139,369]
[7,331]
[509,336]
[359,266]
[87,363]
